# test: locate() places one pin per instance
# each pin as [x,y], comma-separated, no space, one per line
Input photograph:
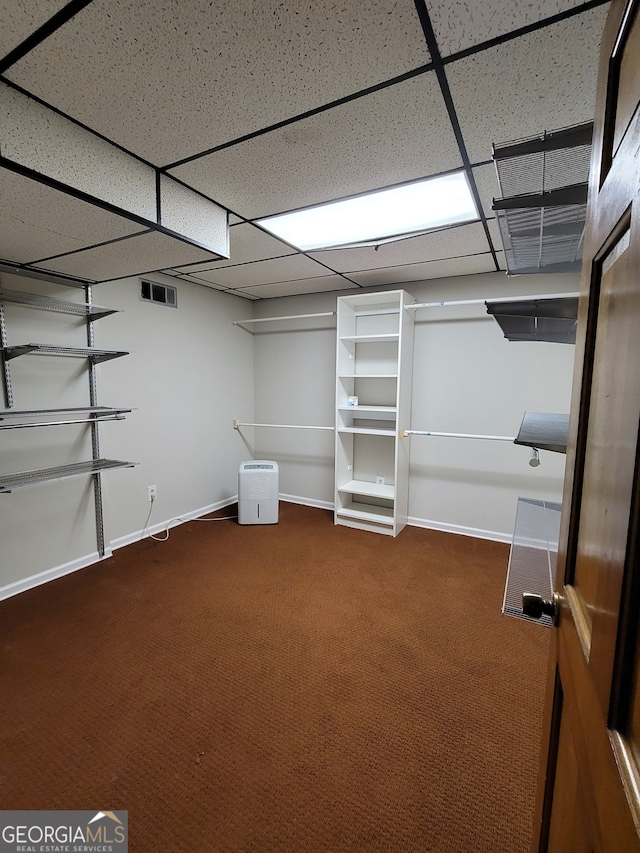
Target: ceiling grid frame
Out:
[437,64]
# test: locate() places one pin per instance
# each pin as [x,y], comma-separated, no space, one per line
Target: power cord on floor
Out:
[149,535]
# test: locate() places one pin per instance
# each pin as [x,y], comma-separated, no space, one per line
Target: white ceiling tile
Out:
[452,242]
[20,19]
[468,265]
[396,134]
[193,216]
[29,232]
[487,184]
[296,288]
[249,243]
[464,24]
[132,256]
[38,138]
[542,81]
[263,62]
[264,272]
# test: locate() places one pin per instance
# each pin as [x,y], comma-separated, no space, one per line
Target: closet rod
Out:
[492,299]
[237,425]
[406,432]
[285,317]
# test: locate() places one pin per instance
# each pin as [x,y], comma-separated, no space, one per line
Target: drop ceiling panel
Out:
[463,24]
[39,139]
[465,239]
[209,56]
[541,81]
[397,134]
[424,271]
[247,243]
[20,19]
[293,288]
[29,232]
[132,256]
[185,212]
[264,272]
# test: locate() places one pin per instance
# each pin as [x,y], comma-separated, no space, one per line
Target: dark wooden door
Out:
[589,787]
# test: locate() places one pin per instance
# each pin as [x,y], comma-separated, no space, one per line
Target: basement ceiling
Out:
[130,131]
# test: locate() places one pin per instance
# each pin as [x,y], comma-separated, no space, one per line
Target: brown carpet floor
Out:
[296,687]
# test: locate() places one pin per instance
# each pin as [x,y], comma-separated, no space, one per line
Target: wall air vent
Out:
[161,294]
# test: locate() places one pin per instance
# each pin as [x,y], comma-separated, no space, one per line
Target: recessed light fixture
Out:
[378,216]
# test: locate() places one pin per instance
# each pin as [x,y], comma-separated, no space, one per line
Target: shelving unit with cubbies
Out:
[374,366]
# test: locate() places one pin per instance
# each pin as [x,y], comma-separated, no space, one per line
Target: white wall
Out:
[189,372]
[467,378]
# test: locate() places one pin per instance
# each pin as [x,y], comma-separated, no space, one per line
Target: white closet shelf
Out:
[367,431]
[369,339]
[367,376]
[366,512]
[382,413]
[9,482]
[372,490]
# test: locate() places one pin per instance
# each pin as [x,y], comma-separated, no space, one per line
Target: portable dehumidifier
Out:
[258,492]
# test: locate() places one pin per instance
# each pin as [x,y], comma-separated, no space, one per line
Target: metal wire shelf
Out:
[93,354]
[532,562]
[48,303]
[541,215]
[10,482]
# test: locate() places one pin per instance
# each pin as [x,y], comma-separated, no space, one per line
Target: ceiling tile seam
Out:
[61,17]
[246,287]
[354,96]
[8,82]
[439,69]
[116,145]
[523,31]
[419,263]
[40,178]
[90,247]
[160,172]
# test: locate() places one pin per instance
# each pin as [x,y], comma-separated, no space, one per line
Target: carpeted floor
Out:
[297,687]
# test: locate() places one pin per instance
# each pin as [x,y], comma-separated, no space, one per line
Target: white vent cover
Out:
[161,294]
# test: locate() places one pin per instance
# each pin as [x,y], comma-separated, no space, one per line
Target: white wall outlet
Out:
[380,481]
[152,493]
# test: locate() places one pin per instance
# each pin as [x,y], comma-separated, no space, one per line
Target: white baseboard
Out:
[17,587]
[296,499]
[461,530]
[162,526]
[89,559]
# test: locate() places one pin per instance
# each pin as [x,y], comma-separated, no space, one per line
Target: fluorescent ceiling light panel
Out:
[412,208]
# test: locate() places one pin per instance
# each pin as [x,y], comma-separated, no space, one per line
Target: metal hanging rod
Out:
[492,299]
[285,317]
[405,432]
[63,423]
[237,425]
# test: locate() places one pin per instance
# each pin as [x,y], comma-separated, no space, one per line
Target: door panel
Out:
[589,793]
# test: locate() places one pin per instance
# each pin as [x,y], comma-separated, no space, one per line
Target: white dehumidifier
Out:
[258,492]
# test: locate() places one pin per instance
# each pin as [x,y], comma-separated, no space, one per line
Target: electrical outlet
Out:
[380,481]
[152,493]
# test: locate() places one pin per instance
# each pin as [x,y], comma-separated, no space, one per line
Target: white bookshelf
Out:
[373,364]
